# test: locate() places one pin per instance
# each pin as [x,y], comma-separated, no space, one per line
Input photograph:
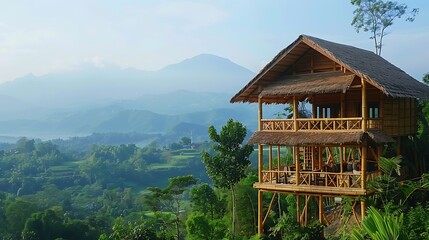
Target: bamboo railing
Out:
[316,178]
[320,124]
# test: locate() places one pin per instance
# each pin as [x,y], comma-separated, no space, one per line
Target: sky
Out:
[49,36]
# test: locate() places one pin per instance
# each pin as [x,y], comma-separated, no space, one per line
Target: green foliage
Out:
[376,15]
[288,229]
[390,165]
[381,226]
[170,199]
[386,188]
[227,166]
[16,214]
[199,227]
[131,231]
[417,222]
[203,199]
[426,78]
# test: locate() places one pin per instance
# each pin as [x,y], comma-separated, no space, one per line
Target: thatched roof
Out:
[289,85]
[318,138]
[365,64]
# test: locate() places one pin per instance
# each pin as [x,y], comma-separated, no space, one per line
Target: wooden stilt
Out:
[362,209]
[297,209]
[260,213]
[320,209]
[269,208]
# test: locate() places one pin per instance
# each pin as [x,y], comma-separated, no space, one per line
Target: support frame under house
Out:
[360,103]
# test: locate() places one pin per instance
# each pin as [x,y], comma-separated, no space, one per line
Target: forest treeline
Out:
[184,191]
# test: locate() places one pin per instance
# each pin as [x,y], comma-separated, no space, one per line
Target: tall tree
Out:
[170,198]
[376,15]
[227,166]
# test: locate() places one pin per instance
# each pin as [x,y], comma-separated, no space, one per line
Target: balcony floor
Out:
[310,189]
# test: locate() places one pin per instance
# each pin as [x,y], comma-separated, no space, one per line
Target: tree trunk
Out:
[233,210]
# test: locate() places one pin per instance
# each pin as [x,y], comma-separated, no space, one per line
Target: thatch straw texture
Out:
[365,64]
[317,138]
[389,78]
[330,82]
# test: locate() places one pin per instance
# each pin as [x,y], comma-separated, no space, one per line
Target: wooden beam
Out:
[303,217]
[269,208]
[260,161]
[297,209]
[320,209]
[363,163]
[260,213]
[270,158]
[259,114]
[381,110]
[364,107]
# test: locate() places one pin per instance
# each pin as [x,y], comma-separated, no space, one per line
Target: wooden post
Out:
[364,107]
[297,209]
[260,161]
[297,165]
[341,159]
[295,113]
[260,213]
[343,105]
[270,158]
[259,114]
[381,111]
[320,209]
[363,163]
[278,156]
[362,209]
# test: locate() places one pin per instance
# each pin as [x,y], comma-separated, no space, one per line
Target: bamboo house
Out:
[358,103]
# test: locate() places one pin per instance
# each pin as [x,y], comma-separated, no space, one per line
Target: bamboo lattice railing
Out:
[320,124]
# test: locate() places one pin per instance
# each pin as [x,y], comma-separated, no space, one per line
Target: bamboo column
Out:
[364,107]
[260,213]
[298,215]
[295,113]
[320,209]
[363,163]
[259,114]
[297,165]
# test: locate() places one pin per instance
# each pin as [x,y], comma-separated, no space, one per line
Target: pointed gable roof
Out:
[391,80]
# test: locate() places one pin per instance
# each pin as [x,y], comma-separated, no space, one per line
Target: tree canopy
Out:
[376,15]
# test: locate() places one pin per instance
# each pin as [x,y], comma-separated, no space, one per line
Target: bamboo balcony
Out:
[347,183]
[320,124]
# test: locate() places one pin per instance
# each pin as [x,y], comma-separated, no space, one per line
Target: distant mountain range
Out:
[181,98]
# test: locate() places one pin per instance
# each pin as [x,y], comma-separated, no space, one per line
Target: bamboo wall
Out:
[399,116]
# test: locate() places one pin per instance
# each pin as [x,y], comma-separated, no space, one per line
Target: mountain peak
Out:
[205,61]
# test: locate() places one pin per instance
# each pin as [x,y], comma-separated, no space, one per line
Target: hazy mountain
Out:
[91,86]
[180,98]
